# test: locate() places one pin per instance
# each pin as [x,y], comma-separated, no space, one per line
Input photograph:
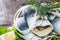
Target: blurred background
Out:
[8,9]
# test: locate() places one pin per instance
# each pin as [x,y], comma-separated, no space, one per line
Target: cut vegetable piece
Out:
[8,36]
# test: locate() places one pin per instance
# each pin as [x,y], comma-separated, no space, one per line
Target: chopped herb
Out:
[43,10]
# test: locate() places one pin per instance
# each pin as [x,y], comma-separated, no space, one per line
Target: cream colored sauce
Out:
[42,32]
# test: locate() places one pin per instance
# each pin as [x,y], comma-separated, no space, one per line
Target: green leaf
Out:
[18,34]
[3,29]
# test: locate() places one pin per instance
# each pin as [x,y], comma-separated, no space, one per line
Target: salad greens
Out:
[18,37]
[3,29]
[43,10]
[53,38]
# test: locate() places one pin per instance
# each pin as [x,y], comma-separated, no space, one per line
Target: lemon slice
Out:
[8,36]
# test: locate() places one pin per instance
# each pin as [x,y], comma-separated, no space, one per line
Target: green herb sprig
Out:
[43,10]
